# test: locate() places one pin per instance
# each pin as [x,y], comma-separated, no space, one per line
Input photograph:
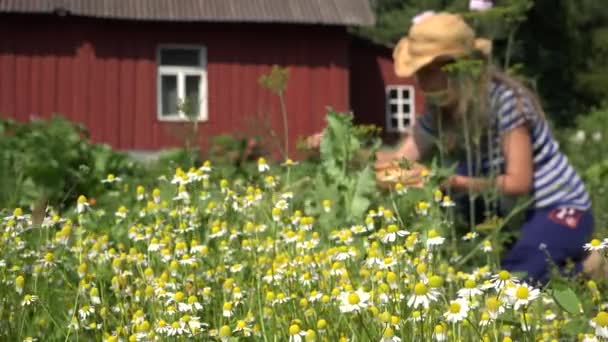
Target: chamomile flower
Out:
[457,310]
[262,165]
[600,324]
[29,300]
[501,280]
[470,289]
[326,205]
[353,301]
[110,178]
[82,204]
[422,296]
[19,284]
[434,239]
[177,328]
[522,295]
[243,327]
[295,333]
[391,233]
[440,333]
[422,208]
[227,310]
[470,236]
[86,311]
[487,246]
[447,202]
[389,335]
[595,245]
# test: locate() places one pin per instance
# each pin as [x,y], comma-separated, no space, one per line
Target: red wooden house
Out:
[121,66]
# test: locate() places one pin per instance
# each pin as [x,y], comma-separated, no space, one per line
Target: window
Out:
[182,83]
[399,108]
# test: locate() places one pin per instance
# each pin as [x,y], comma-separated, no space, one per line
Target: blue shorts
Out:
[550,236]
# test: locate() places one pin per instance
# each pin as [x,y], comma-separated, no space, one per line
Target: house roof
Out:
[326,12]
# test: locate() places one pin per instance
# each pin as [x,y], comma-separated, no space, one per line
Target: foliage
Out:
[52,161]
[276,81]
[558,46]
[585,146]
[195,255]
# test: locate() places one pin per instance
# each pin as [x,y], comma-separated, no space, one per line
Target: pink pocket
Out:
[568,217]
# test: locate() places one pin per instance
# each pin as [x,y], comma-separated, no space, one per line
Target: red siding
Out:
[371,71]
[103,74]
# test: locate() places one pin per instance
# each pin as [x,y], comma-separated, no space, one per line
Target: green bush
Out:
[52,162]
[586,148]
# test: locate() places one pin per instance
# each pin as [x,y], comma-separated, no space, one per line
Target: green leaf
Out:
[574,327]
[565,297]
[364,188]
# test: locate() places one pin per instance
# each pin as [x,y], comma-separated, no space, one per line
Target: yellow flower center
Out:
[595,242]
[492,304]
[455,307]
[435,281]
[321,324]
[225,331]
[388,332]
[420,289]
[470,283]
[294,329]
[433,234]
[392,228]
[602,319]
[522,292]
[504,275]
[353,299]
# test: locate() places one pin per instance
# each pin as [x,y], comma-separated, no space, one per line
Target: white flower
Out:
[29,300]
[434,239]
[85,311]
[392,232]
[579,137]
[470,289]
[480,5]
[595,245]
[447,202]
[600,324]
[111,179]
[457,311]
[353,301]
[422,296]
[389,335]
[177,328]
[262,165]
[589,338]
[470,236]
[522,295]
[597,136]
[501,280]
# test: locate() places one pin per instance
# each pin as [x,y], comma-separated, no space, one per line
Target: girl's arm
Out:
[413,148]
[517,179]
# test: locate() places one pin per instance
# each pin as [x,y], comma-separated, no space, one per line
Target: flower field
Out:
[274,257]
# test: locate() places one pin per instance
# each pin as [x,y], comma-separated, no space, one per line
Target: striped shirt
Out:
[556,183]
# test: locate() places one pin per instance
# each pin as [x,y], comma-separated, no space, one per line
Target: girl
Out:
[495,127]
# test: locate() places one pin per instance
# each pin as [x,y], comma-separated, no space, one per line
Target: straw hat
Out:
[436,35]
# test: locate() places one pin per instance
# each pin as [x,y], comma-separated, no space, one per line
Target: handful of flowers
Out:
[408,174]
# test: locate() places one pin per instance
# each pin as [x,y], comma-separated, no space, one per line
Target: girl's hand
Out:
[456,183]
[384,160]
[314,141]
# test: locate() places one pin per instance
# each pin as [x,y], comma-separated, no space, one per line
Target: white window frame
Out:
[181,72]
[400,115]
